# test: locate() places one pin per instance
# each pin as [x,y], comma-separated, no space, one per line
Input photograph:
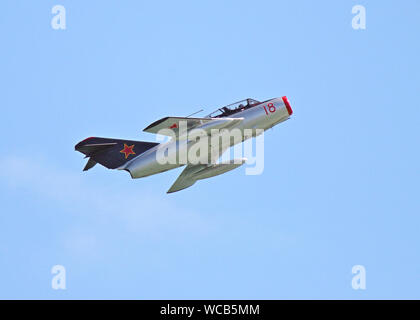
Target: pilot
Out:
[242,107]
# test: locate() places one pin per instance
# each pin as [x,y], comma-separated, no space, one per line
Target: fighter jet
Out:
[142,159]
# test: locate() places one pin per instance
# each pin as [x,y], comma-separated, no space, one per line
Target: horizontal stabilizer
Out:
[89,149]
[90,164]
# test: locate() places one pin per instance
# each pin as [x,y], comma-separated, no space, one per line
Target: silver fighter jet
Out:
[142,159]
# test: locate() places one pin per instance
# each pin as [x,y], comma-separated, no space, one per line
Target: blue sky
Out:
[341,180]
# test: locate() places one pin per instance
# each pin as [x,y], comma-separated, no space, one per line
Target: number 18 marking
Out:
[271,108]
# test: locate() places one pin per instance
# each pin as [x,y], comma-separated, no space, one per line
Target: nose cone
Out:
[287,104]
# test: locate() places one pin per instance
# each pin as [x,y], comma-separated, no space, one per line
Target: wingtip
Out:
[155,123]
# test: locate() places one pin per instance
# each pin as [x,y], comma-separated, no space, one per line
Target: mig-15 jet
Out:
[142,159]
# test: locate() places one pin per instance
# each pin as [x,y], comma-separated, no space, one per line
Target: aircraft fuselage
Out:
[261,116]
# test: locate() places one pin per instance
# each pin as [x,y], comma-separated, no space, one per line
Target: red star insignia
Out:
[127,150]
[174,126]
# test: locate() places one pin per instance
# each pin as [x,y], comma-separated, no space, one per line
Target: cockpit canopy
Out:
[233,108]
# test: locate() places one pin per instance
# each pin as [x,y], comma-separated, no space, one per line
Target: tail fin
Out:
[111,153]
